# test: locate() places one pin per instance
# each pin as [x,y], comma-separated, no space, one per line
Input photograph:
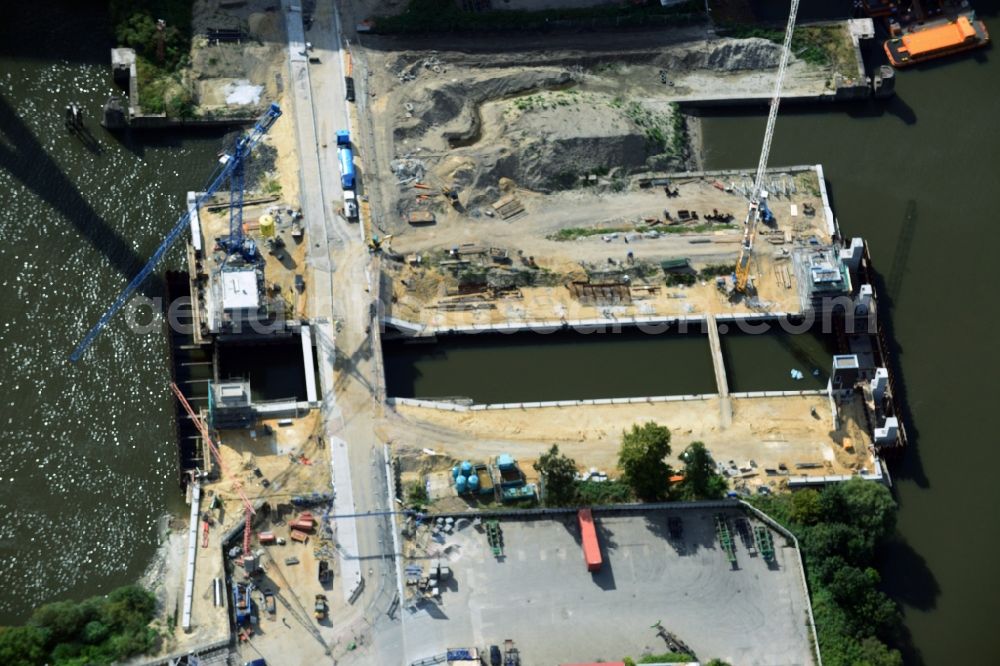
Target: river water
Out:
[88,459]
[87,454]
[935,145]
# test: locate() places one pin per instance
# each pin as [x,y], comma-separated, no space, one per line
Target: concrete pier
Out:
[192,556]
[719,365]
[309,364]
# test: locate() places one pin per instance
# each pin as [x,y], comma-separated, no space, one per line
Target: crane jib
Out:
[758,202]
[244,148]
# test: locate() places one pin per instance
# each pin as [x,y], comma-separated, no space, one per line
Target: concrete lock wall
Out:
[454,407]
[777,394]
[542,326]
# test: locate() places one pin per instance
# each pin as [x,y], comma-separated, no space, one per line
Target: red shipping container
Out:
[591,547]
[266,537]
[304,525]
[299,536]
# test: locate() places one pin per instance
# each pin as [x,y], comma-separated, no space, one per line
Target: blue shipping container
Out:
[346,158]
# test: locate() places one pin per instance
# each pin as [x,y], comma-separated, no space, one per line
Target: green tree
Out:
[869,506]
[558,471]
[849,584]
[100,630]
[22,646]
[181,105]
[839,529]
[701,480]
[828,539]
[641,460]
[416,494]
[136,27]
[805,507]
[874,653]
[95,632]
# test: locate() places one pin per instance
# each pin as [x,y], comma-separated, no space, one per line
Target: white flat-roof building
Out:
[239,290]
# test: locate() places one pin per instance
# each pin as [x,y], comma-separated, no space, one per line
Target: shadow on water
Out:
[910,466]
[52,30]
[87,140]
[24,158]
[873,108]
[137,141]
[908,579]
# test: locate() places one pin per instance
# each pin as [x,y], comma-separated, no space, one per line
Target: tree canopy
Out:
[100,630]
[558,473]
[641,460]
[839,529]
[136,27]
[701,479]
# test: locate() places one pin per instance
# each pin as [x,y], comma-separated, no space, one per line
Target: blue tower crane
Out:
[231,168]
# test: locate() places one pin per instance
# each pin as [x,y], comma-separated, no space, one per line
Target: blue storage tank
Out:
[346,159]
[474,483]
[461,484]
[454,472]
[466,468]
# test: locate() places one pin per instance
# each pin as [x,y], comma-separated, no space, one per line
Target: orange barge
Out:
[962,34]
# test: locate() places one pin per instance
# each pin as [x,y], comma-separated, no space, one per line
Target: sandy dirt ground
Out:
[271,450]
[769,431]
[257,61]
[294,462]
[638,236]
[466,119]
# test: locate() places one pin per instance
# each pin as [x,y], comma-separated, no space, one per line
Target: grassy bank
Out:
[446,16]
[573,233]
[100,630]
[162,50]
[821,45]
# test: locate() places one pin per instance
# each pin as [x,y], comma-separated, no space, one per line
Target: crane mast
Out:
[758,196]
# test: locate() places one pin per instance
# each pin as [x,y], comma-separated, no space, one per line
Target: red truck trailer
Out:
[591,547]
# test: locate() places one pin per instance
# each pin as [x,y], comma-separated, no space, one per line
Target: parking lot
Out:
[540,594]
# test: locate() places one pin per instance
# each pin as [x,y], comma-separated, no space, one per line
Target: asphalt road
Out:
[339,273]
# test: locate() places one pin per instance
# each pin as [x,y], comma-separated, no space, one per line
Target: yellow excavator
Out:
[379,243]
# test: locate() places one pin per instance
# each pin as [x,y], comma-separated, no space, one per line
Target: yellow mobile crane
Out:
[758,209]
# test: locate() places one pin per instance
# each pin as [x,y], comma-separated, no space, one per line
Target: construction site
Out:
[404,196]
